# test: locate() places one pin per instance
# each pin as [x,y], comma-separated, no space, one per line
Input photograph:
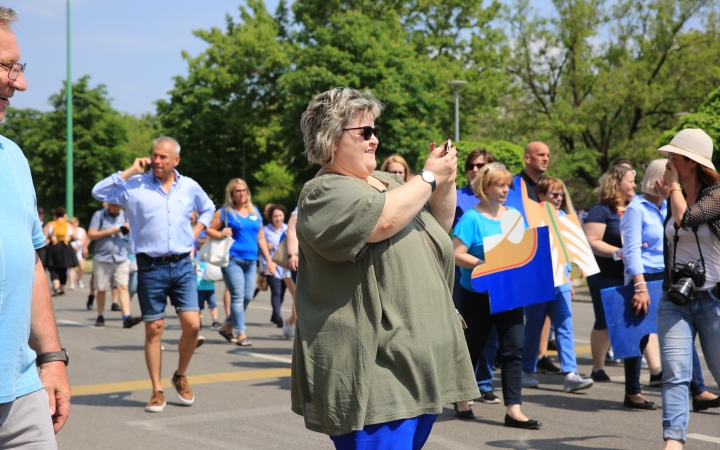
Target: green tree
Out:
[141,132]
[599,82]
[98,144]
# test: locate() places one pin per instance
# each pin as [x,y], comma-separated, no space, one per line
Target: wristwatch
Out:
[62,355]
[428,177]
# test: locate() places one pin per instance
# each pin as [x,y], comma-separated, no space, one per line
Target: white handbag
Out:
[217,252]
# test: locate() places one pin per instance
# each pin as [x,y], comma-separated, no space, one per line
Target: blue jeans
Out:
[677,328]
[403,434]
[561,317]
[158,281]
[277,294]
[239,278]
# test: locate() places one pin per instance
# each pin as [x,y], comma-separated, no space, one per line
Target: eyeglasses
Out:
[556,194]
[474,166]
[367,132]
[14,70]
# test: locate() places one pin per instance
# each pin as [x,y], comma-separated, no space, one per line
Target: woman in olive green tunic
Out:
[378,339]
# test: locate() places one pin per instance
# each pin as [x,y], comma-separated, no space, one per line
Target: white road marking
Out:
[264,356]
[72,323]
[702,437]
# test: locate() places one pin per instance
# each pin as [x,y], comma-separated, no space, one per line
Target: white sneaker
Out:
[529,381]
[81,285]
[577,383]
[72,286]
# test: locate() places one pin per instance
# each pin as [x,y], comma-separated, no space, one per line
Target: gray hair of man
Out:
[327,114]
[168,140]
[654,171]
[8,16]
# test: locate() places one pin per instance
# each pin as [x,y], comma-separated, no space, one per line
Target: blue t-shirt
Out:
[466,200]
[471,229]
[20,235]
[245,233]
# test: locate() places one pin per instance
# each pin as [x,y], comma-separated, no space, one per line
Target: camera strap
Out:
[676,238]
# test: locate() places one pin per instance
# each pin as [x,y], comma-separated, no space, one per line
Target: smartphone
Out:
[148,167]
[448,145]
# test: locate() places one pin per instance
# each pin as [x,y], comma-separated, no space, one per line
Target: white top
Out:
[81,237]
[274,236]
[687,250]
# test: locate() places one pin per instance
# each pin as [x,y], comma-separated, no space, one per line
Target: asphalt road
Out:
[243,395]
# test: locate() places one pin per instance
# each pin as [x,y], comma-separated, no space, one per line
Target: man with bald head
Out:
[34,390]
[537,158]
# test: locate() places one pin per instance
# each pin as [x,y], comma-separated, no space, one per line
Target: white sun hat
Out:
[693,143]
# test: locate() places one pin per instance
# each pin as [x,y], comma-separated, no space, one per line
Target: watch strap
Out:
[52,356]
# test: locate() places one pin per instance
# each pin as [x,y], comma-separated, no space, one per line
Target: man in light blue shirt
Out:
[158,207]
[27,326]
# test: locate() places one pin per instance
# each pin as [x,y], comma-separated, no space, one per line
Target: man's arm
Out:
[94,234]
[111,188]
[206,210]
[44,339]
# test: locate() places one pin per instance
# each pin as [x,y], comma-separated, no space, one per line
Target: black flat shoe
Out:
[646,405]
[467,415]
[526,425]
[702,405]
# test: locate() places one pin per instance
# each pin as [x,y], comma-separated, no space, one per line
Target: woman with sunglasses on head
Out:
[244,224]
[552,191]
[466,200]
[396,164]
[491,186]
[378,344]
[602,228]
[690,303]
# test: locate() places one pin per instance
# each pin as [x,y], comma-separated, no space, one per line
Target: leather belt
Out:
[165,259]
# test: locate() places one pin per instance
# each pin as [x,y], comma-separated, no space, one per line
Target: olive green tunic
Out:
[377,338]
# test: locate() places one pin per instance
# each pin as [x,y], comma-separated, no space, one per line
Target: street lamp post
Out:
[69,204]
[457,84]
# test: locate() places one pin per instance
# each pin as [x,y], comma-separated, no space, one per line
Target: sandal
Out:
[244,342]
[226,335]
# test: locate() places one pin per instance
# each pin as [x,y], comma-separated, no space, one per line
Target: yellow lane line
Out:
[579,350]
[109,388]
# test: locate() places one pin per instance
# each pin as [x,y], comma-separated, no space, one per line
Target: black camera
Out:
[124,230]
[685,278]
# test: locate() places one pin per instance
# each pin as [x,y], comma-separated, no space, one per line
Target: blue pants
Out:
[277,294]
[239,278]
[404,434]
[560,313]
[486,362]
[677,328]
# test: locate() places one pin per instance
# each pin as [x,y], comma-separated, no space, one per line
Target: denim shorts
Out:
[207,296]
[157,281]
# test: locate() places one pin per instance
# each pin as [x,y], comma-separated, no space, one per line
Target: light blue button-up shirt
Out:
[159,222]
[642,231]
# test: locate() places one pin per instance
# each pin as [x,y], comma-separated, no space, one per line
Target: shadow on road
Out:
[114,399]
[574,403]
[120,348]
[550,444]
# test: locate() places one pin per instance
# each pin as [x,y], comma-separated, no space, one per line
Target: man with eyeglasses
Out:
[159,202]
[27,325]
[537,158]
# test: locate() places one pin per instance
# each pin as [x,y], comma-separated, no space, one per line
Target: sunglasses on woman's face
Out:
[367,132]
[474,166]
[556,194]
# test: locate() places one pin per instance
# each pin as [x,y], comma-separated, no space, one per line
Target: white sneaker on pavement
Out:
[529,381]
[577,383]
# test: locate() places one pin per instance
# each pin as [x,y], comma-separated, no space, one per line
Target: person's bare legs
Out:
[544,337]
[672,444]
[652,354]
[124,295]
[72,274]
[153,353]
[115,294]
[213,314]
[100,297]
[226,302]
[599,344]
[190,323]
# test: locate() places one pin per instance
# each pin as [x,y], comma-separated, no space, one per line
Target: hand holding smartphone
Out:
[448,146]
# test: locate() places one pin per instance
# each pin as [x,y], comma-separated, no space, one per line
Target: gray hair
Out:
[327,114]
[168,140]
[655,170]
[8,16]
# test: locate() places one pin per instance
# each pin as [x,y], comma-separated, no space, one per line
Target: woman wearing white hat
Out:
[689,304]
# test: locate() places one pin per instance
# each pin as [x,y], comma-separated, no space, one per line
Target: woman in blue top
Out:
[491,186]
[642,229]
[245,227]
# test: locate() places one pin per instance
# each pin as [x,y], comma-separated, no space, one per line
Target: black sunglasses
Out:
[474,166]
[367,132]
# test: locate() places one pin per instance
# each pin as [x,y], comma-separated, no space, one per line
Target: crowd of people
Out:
[387,325]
